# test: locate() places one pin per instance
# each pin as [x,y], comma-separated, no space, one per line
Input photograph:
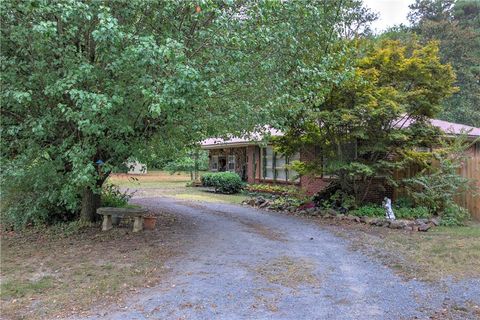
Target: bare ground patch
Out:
[48,274]
[288,272]
[263,231]
[252,226]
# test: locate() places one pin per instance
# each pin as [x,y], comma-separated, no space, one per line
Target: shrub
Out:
[112,196]
[411,213]
[373,210]
[223,182]
[335,199]
[35,192]
[369,210]
[436,187]
[284,202]
[284,190]
[454,215]
[206,179]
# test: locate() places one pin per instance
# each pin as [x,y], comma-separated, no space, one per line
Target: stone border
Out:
[402,224]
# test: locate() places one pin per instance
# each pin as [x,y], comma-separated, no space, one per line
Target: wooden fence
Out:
[469,200]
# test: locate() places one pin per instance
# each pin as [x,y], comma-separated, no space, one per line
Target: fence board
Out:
[470,199]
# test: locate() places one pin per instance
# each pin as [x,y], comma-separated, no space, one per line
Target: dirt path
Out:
[248,264]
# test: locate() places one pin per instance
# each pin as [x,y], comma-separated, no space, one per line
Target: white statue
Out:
[387,204]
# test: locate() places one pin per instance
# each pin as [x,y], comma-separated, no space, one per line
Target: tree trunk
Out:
[90,204]
[196,165]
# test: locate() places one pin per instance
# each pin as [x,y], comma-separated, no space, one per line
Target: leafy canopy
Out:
[377,111]
[88,85]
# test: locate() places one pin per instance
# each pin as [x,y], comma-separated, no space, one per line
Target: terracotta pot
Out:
[149,222]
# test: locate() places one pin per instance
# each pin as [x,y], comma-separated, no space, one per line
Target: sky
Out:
[391,12]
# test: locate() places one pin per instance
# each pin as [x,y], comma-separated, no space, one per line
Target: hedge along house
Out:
[256,162]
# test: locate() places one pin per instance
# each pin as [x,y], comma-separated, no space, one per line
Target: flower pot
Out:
[149,222]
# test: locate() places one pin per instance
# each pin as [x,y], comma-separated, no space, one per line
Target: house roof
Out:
[245,140]
[448,127]
[250,139]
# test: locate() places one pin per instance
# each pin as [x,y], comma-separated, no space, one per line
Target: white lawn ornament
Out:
[387,204]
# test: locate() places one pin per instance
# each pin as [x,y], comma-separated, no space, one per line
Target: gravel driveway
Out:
[243,263]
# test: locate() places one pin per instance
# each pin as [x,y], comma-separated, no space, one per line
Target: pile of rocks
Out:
[269,204]
[258,202]
[410,225]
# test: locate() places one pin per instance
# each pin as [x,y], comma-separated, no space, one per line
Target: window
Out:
[214,163]
[275,165]
[345,152]
[292,174]
[231,163]
[269,163]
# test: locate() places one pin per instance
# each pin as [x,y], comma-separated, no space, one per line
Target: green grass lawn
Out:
[160,183]
[440,252]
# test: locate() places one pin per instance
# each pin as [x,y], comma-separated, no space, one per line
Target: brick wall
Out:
[311,184]
[377,189]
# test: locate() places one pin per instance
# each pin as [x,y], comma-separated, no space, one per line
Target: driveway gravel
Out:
[243,263]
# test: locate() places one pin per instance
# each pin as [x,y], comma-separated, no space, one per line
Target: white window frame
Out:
[231,160]
[214,163]
[283,167]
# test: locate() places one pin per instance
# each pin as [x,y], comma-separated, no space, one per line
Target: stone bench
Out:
[109,212]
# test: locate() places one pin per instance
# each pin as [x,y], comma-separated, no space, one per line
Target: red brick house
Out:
[256,162]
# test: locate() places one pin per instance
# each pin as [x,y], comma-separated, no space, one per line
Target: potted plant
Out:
[149,222]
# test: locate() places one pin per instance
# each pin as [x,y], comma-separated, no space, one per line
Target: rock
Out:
[310,211]
[339,216]
[259,201]
[420,221]
[424,226]
[264,205]
[397,224]
[352,218]
[328,211]
[382,223]
[434,221]
[315,213]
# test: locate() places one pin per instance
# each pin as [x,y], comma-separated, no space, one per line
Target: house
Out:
[256,162]
[135,167]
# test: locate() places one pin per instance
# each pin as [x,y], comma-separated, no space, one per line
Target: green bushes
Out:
[454,215]
[411,213]
[372,210]
[223,182]
[35,192]
[206,179]
[113,197]
[369,210]
[437,187]
[284,190]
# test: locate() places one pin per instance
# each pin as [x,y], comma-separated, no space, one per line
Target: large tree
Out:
[88,85]
[456,25]
[369,122]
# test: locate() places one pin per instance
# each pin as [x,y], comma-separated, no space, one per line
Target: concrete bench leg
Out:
[138,224]
[107,222]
